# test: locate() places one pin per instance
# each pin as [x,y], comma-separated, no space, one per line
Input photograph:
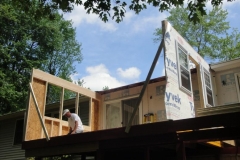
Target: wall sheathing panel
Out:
[34,127]
[153,101]
[65,130]
[179,99]
[55,129]
[48,125]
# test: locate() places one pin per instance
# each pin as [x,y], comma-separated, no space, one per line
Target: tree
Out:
[103,8]
[209,37]
[105,88]
[228,47]
[26,43]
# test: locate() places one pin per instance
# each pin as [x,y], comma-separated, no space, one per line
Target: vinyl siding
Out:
[8,151]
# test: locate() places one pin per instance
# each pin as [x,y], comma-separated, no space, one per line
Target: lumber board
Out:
[229,120]
[38,74]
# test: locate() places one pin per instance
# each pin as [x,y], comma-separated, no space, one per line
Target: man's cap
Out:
[65,111]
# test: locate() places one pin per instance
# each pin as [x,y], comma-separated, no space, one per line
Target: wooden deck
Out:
[146,140]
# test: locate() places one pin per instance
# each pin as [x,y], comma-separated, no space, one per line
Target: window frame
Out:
[117,100]
[132,107]
[205,86]
[15,129]
[181,87]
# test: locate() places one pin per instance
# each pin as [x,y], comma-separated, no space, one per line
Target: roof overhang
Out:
[226,65]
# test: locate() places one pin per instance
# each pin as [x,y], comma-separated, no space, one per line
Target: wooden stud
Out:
[45,98]
[65,84]
[180,150]
[61,104]
[77,103]
[91,116]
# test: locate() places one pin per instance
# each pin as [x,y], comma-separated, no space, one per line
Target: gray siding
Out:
[8,151]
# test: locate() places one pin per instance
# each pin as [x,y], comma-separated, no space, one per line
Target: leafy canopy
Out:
[116,9]
[26,43]
[211,37]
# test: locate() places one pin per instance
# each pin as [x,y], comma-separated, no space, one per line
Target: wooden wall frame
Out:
[38,125]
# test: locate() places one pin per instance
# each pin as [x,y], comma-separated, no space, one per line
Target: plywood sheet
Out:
[65,130]
[55,129]
[34,127]
[48,125]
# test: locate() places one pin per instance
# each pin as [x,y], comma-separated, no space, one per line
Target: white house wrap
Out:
[178,99]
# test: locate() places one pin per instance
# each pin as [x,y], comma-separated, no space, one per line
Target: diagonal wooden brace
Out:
[144,86]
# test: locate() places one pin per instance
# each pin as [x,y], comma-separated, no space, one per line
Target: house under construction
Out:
[191,113]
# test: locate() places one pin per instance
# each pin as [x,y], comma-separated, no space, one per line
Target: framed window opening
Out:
[118,112]
[127,110]
[208,88]
[184,74]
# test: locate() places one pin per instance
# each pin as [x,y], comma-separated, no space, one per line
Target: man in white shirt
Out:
[74,122]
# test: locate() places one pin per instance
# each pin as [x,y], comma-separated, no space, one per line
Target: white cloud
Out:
[99,77]
[130,73]
[79,16]
[128,16]
[144,22]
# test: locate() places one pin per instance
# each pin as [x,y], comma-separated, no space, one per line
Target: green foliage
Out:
[105,88]
[209,37]
[228,47]
[26,43]
[104,8]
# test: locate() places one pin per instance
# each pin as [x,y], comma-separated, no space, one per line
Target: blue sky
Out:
[117,54]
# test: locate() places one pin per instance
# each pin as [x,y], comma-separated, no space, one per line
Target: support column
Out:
[99,155]
[147,153]
[83,157]
[180,151]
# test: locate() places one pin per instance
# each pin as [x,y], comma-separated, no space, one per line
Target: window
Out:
[113,115]
[118,113]
[84,112]
[127,110]
[208,88]
[183,69]
[18,136]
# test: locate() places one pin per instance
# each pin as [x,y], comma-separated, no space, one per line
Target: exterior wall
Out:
[226,93]
[8,151]
[152,101]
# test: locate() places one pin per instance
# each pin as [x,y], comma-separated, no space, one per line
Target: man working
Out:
[74,122]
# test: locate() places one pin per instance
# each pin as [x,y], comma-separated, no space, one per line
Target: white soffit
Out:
[226,65]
